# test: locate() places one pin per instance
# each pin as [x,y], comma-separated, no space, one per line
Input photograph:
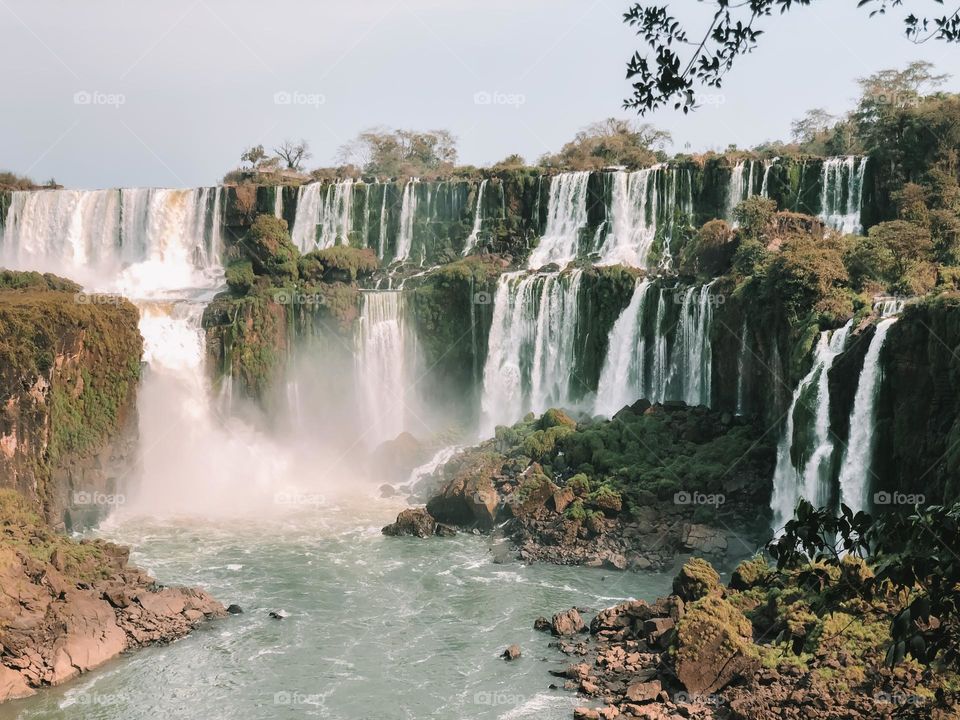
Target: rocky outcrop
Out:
[68,607]
[69,367]
[415,521]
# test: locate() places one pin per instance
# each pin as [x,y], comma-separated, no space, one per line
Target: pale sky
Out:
[110,93]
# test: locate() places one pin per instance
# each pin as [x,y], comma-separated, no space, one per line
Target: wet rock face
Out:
[54,627]
[415,522]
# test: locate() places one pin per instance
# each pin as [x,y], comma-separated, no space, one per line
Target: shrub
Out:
[268,246]
[240,277]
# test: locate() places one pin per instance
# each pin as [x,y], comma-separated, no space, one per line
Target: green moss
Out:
[340,262]
[240,277]
[697,579]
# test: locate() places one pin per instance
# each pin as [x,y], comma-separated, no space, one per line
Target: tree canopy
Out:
[679,58]
[394,153]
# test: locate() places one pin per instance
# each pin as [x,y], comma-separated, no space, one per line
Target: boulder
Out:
[470,498]
[696,579]
[234,609]
[511,653]
[714,646]
[416,522]
[567,623]
[704,539]
[644,692]
[531,495]
[562,499]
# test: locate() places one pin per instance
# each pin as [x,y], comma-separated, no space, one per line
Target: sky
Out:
[120,93]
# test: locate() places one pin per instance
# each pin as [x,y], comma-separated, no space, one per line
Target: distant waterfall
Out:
[408,216]
[381,365]
[530,359]
[131,241]
[742,367]
[739,189]
[856,470]
[278,201]
[809,478]
[324,215]
[666,359]
[566,217]
[477,219]
[382,236]
[765,183]
[841,196]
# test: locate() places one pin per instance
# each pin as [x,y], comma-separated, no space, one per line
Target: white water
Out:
[765,184]
[738,190]
[566,217]
[324,215]
[842,193]
[278,201]
[856,470]
[530,356]
[408,216]
[742,367]
[810,479]
[477,219]
[382,366]
[659,362]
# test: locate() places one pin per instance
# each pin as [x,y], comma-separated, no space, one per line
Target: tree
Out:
[814,123]
[293,154]
[907,243]
[394,153]
[671,74]
[255,156]
[611,142]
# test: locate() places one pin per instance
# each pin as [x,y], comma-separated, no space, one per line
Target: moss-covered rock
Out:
[696,579]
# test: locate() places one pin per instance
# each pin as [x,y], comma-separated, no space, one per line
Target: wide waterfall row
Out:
[656,353]
[531,356]
[812,462]
[134,240]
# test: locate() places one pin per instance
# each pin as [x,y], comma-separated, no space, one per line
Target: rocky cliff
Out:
[69,366]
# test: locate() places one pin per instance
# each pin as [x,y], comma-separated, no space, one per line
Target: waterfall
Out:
[842,193]
[811,478]
[530,356]
[765,184]
[135,242]
[278,201]
[477,219]
[566,217]
[324,215]
[681,356]
[856,468]
[621,378]
[382,239]
[304,233]
[742,367]
[408,216]
[737,191]
[381,365]
[633,224]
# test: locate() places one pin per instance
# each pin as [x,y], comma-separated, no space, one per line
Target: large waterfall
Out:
[324,215]
[659,356]
[383,362]
[531,356]
[644,204]
[856,470]
[566,218]
[805,472]
[841,198]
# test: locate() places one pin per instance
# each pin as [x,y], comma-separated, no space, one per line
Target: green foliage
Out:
[611,142]
[907,243]
[340,262]
[240,277]
[268,246]
[556,418]
[710,251]
[401,153]
[869,260]
[754,216]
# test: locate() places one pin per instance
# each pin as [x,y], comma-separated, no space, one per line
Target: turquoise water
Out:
[385,628]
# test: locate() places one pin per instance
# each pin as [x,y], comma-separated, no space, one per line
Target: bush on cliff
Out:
[338,263]
[268,246]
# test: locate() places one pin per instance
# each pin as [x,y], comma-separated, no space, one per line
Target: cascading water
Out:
[856,469]
[738,190]
[382,365]
[742,367]
[477,219]
[633,218]
[408,216]
[841,198]
[765,184]
[278,201]
[808,478]
[566,217]
[530,359]
[324,215]
[678,366]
